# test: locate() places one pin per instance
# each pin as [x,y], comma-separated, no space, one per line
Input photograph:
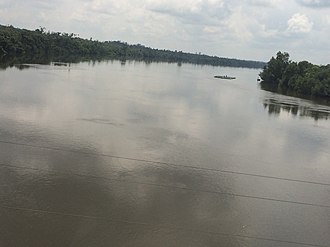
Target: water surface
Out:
[136,154]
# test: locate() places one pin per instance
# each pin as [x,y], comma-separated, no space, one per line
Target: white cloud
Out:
[210,29]
[299,23]
[238,25]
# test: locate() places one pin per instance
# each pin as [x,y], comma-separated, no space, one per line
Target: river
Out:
[153,154]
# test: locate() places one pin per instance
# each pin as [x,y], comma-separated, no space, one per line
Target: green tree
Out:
[302,78]
[275,68]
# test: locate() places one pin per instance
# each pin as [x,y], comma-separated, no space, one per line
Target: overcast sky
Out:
[247,29]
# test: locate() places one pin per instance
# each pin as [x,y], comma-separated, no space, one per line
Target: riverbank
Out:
[303,79]
[17,42]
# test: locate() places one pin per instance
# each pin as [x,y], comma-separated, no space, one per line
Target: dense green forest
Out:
[39,43]
[301,78]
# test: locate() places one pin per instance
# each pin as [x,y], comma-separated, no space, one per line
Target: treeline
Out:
[17,42]
[303,78]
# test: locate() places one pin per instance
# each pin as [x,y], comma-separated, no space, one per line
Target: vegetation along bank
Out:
[300,78]
[18,42]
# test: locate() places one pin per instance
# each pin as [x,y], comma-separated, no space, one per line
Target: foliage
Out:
[302,78]
[15,42]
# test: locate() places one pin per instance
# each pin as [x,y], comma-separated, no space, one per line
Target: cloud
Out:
[191,11]
[97,9]
[263,3]
[210,29]
[32,4]
[299,23]
[314,3]
[249,29]
[238,24]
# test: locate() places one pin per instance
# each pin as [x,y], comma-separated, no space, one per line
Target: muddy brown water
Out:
[136,154]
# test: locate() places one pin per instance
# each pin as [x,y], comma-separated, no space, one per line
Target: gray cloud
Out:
[263,3]
[199,12]
[32,4]
[248,29]
[315,3]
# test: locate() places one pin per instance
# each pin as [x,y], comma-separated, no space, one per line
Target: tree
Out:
[16,41]
[275,68]
[302,78]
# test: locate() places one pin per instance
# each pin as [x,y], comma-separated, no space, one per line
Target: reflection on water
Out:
[276,104]
[30,61]
[104,193]
[282,92]
[36,60]
[144,154]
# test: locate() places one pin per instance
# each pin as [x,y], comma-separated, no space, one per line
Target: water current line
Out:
[170,227]
[164,163]
[169,186]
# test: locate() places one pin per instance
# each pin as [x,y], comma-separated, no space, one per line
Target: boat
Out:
[224,77]
[59,64]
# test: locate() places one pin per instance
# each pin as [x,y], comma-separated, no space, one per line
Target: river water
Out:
[155,154]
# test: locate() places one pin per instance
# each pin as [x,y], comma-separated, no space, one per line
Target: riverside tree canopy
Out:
[17,42]
[302,77]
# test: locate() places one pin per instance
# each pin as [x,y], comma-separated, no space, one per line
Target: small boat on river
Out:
[224,77]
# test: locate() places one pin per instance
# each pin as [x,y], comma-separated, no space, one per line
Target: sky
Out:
[245,29]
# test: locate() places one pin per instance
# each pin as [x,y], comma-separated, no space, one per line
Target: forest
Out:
[300,78]
[16,42]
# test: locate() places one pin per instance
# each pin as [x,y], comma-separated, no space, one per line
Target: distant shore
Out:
[28,43]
